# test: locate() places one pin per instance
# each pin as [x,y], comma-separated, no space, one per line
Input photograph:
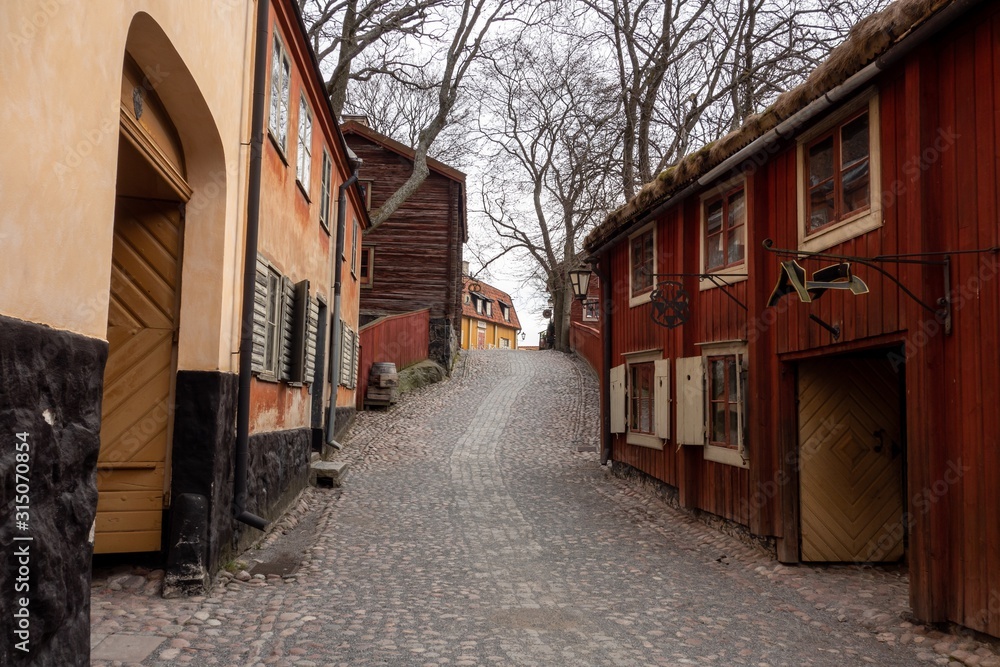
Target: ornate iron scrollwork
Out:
[671,304]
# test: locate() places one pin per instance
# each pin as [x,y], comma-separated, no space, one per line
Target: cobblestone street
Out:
[476,527]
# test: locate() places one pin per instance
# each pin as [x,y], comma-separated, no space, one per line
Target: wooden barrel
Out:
[382,368]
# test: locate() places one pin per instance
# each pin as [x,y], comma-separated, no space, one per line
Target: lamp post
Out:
[580,280]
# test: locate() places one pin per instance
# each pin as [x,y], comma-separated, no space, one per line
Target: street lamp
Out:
[580,281]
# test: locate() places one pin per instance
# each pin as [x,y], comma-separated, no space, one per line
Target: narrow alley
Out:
[476,527]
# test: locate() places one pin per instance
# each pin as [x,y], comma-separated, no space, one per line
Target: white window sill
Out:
[725,455]
[729,276]
[644,440]
[843,231]
[640,299]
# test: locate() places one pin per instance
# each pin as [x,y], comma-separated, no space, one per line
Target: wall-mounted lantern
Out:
[580,280]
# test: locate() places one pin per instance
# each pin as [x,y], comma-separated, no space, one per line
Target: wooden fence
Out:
[586,341]
[402,339]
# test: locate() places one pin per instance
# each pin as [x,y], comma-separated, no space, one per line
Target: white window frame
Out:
[274,318]
[489,309]
[303,164]
[651,440]
[739,456]
[354,248]
[325,190]
[280,91]
[645,297]
[864,221]
[724,275]
[591,310]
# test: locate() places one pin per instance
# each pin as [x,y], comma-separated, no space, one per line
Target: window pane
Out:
[854,141]
[737,210]
[645,416]
[713,221]
[717,371]
[856,187]
[714,252]
[821,161]
[821,205]
[718,423]
[735,245]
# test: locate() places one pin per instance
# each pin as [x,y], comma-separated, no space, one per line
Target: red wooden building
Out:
[803,317]
[585,325]
[413,260]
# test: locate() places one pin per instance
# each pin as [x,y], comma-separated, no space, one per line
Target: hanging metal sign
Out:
[671,304]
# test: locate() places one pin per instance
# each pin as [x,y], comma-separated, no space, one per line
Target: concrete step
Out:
[327,473]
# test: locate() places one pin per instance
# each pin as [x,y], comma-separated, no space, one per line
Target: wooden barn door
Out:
[851,460]
[137,411]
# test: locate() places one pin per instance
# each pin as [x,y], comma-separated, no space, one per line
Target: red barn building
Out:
[803,316]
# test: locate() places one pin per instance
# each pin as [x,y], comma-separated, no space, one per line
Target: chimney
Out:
[465,268]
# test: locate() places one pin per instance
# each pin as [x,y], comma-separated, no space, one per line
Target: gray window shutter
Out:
[312,332]
[346,345]
[356,352]
[259,316]
[287,328]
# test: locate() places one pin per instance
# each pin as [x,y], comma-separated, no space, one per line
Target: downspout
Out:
[768,143]
[338,265]
[249,273]
[604,271]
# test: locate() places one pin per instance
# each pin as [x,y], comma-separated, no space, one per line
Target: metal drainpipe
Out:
[249,273]
[606,308]
[338,264]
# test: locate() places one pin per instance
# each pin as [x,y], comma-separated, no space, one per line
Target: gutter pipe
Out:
[607,311]
[338,264]
[770,142]
[249,272]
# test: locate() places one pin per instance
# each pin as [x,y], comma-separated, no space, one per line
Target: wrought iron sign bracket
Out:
[717,279]
[942,308]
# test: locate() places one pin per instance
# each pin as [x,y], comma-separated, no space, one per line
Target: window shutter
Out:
[300,326]
[618,399]
[661,409]
[691,401]
[312,334]
[346,346]
[356,352]
[259,316]
[287,328]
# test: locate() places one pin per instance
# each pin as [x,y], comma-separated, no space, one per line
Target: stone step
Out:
[327,473]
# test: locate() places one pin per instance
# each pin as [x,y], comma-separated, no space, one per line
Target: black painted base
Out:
[51,385]
[277,472]
[443,344]
[202,464]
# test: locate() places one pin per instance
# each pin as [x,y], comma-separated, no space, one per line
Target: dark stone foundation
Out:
[51,385]
[277,472]
[202,464]
[443,343]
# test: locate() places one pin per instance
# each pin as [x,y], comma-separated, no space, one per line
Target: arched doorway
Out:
[133,471]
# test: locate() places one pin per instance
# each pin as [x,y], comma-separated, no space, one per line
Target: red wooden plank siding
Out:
[399,339]
[586,341]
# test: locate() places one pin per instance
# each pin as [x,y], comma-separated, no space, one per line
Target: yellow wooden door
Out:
[137,410]
[850,454]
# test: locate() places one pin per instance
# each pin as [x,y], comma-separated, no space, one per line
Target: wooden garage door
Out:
[850,452]
[137,411]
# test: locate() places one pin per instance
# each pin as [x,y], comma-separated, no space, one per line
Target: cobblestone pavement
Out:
[471,531]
